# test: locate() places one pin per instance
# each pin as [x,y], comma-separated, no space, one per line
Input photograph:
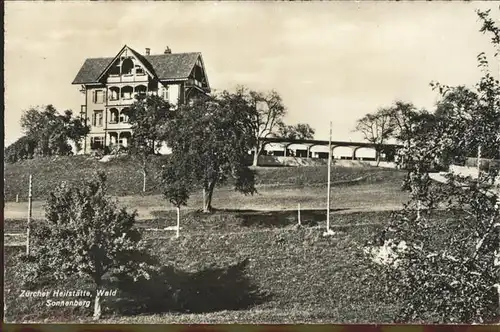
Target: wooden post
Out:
[478,160]
[17,198]
[498,288]
[328,185]
[178,222]
[203,199]
[29,218]
[498,176]
[298,215]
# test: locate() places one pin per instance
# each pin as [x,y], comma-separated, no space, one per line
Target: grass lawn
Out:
[248,273]
[244,263]
[350,198]
[125,176]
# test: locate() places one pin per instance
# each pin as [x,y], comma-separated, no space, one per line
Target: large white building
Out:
[111,84]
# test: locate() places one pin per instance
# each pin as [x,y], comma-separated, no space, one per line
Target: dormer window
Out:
[139,70]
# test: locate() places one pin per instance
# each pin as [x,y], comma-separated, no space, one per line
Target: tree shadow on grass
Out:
[208,290]
[254,218]
[279,218]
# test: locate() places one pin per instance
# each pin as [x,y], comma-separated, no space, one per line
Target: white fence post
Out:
[29,219]
[298,216]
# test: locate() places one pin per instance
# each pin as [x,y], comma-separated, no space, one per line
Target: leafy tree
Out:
[267,116]
[420,157]
[403,116]
[148,118]
[475,112]
[376,128]
[23,148]
[489,26]
[448,270]
[298,131]
[86,235]
[210,140]
[52,130]
[177,185]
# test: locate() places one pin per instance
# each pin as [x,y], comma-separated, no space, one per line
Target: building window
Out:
[165,93]
[114,93]
[97,142]
[113,115]
[124,115]
[124,139]
[98,96]
[139,70]
[140,90]
[127,92]
[127,66]
[83,113]
[97,118]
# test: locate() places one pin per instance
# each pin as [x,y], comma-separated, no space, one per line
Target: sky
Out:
[330,61]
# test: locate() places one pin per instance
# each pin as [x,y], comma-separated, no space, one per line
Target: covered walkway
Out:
[319,149]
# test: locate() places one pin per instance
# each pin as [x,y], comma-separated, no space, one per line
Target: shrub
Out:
[23,148]
[85,235]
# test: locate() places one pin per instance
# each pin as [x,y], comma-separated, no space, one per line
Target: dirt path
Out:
[440,177]
[16,238]
[362,197]
[145,213]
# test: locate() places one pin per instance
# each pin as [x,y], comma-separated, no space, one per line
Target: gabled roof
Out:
[91,70]
[174,66]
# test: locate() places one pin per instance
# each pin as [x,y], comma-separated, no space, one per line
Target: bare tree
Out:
[268,117]
[376,128]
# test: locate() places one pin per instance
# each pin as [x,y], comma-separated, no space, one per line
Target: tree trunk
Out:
[377,155]
[144,173]
[418,210]
[178,221]
[97,306]
[498,292]
[98,282]
[204,198]
[257,151]
[207,197]
[255,157]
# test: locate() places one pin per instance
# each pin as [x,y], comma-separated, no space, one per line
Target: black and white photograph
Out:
[251,162]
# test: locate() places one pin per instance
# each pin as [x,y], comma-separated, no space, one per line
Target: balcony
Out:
[194,82]
[127,78]
[118,118]
[126,95]
[120,102]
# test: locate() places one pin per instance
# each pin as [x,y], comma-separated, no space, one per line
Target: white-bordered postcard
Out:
[252,162]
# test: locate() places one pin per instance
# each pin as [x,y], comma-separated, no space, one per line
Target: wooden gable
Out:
[125,53]
[199,73]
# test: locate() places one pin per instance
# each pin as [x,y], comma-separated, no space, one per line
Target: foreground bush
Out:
[84,236]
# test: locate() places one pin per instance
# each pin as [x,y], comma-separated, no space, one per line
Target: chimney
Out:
[148,50]
[168,50]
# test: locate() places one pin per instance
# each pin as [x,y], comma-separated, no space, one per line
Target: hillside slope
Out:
[125,175]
